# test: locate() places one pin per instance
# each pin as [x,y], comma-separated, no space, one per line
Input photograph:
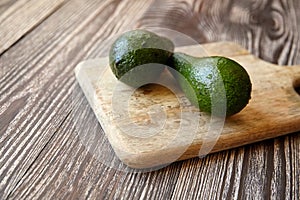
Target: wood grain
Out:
[42,90]
[268,28]
[5,4]
[21,17]
[273,99]
[41,158]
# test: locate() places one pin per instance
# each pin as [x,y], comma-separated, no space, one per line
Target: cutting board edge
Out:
[145,159]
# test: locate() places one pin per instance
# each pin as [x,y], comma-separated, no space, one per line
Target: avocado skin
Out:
[203,75]
[136,48]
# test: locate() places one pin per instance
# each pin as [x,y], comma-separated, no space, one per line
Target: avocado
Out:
[216,77]
[132,55]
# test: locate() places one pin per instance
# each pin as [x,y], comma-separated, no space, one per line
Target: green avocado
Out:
[136,57]
[213,82]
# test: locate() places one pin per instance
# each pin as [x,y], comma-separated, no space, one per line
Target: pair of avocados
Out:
[212,80]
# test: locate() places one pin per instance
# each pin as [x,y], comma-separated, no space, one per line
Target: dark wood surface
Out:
[43,111]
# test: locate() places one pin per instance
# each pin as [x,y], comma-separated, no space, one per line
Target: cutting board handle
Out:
[232,49]
[295,72]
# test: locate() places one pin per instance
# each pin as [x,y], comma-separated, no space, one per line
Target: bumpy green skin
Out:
[211,75]
[136,48]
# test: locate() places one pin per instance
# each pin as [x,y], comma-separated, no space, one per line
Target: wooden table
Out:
[42,108]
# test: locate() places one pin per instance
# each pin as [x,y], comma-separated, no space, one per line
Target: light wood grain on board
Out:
[5,4]
[274,110]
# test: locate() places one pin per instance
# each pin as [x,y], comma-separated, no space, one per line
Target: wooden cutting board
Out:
[274,110]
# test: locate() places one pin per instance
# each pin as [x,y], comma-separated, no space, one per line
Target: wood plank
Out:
[268,29]
[80,174]
[63,66]
[21,17]
[45,79]
[64,169]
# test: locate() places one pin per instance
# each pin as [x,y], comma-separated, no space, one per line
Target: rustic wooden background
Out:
[41,105]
